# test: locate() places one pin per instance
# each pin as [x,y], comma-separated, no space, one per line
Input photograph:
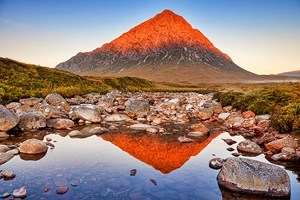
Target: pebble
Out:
[133,172]
[62,190]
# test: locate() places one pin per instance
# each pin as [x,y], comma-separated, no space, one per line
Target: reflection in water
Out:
[160,153]
[32,157]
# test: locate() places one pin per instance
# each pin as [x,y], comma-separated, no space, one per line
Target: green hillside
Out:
[20,80]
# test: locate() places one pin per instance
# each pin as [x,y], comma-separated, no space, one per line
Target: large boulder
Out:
[32,120]
[30,101]
[254,177]
[60,123]
[33,146]
[138,108]
[276,145]
[250,147]
[51,111]
[8,119]
[86,113]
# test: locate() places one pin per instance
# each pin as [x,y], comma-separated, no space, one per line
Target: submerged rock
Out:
[7,175]
[62,190]
[229,141]
[254,177]
[33,146]
[8,119]
[20,193]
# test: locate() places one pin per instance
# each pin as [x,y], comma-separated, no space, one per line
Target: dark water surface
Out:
[100,167]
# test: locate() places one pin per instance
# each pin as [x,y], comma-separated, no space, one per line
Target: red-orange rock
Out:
[33,146]
[199,127]
[276,145]
[248,114]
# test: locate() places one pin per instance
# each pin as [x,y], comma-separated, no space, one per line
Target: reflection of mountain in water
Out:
[163,155]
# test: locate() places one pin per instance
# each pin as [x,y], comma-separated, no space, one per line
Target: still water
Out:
[100,167]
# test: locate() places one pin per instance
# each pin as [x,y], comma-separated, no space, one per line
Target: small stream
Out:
[98,167]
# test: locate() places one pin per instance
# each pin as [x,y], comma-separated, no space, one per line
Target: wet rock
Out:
[30,101]
[76,133]
[50,144]
[47,189]
[33,146]
[5,157]
[20,193]
[97,130]
[5,195]
[62,190]
[116,118]
[3,135]
[74,184]
[153,181]
[4,148]
[138,108]
[14,151]
[184,139]
[276,145]
[199,128]
[230,149]
[48,139]
[254,177]
[216,163]
[8,119]
[151,130]
[250,147]
[205,114]
[236,154]
[196,134]
[133,172]
[86,113]
[248,114]
[32,120]
[7,175]
[223,116]
[60,123]
[229,141]
[140,126]
[289,157]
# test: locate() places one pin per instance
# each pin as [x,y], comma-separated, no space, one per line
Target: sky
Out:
[262,36]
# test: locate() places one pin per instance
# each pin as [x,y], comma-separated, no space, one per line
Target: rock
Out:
[5,195]
[230,149]
[33,146]
[216,163]
[229,141]
[217,108]
[62,190]
[5,157]
[86,113]
[30,101]
[48,139]
[248,114]
[254,177]
[285,157]
[262,117]
[57,100]
[3,135]
[158,120]
[76,133]
[184,139]
[7,175]
[236,154]
[223,116]
[138,108]
[234,121]
[116,118]
[250,147]
[8,119]
[133,172]
[20,193]
[151,130]
[14,151]
[199,128]
[51,111]
[175,101]
[4,148]
[140,126]
[288,150]
[276,145]
[153,181]
[60,123]
[205,114]
[196,134]
[32,120]
[98,130]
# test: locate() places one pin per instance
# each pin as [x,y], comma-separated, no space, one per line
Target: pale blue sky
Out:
[262,36]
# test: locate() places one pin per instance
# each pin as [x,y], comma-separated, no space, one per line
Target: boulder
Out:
[8,119]
[288,157]
[116,118]
[138,108]
[30,101]
[254,177]
[51,111]
[250,147]
[55,99]
[205,114]
[33,146]
[199,128]
[86,113]
[276,145]
[20,193]
[32,120]
[5,157]
[60,123]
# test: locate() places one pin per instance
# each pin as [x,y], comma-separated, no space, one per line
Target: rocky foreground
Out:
[149,112]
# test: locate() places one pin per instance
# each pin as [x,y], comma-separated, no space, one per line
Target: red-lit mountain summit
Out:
[157,49]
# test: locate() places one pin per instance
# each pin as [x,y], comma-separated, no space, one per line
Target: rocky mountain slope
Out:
[160,48]
[292,73]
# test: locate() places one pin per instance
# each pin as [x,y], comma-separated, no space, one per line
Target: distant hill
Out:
[291,73]
[163,48]
[20,80]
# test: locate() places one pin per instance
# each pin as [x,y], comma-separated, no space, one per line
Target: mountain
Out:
[166,48]
[291,73]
